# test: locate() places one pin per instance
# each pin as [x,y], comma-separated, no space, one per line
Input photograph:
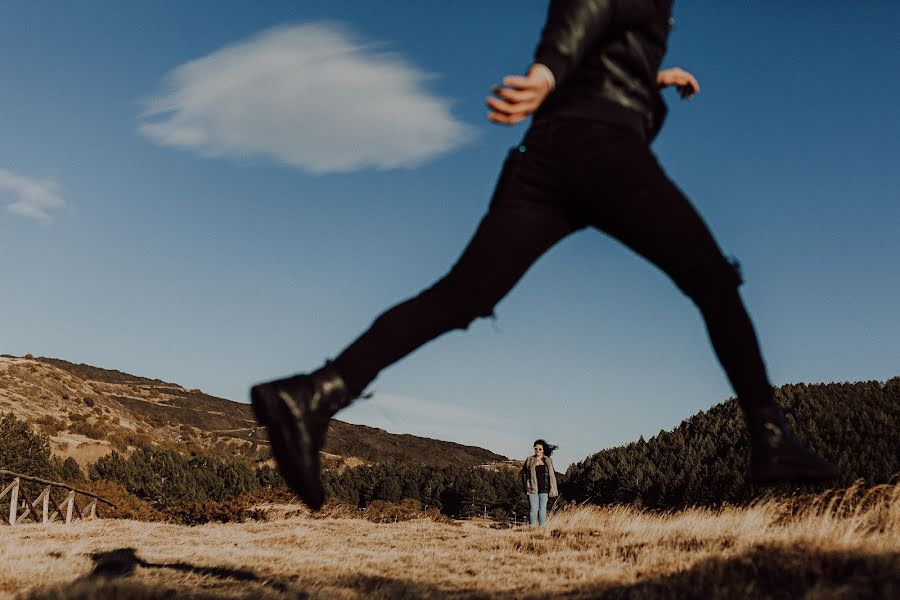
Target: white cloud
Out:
[309,96]
[32,198]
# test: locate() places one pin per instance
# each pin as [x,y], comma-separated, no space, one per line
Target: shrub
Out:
[232,510]
[49,425]
[122,439]
[71,470]
[87,429]
[24,451]
[128,505]
[267,476]
[157,420]
[380,511]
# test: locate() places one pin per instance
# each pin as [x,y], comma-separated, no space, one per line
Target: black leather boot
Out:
[295,412]
[777,456]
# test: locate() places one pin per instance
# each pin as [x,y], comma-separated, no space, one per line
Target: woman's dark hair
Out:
[548,448]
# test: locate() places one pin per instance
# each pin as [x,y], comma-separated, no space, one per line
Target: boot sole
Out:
[290,447]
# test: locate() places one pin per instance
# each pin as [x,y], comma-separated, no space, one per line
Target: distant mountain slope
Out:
[704,460]
[87,411]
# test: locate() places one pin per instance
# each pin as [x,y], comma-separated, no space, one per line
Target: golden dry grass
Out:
[840,546]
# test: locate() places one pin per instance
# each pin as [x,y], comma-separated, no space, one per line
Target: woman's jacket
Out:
[528,476]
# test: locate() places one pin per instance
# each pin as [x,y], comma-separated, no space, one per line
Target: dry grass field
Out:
[843,545]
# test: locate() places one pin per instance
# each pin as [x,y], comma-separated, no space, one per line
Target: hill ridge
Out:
[93,409]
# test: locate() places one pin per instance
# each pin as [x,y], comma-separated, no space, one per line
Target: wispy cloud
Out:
[31,198]
[310,96]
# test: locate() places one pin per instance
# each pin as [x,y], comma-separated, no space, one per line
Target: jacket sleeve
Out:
[574,26]
[551,474]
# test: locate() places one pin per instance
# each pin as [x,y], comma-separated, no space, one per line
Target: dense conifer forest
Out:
[704,460]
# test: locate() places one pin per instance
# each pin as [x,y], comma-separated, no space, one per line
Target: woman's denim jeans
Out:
[538,504]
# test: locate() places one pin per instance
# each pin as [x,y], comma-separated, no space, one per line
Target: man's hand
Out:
[519,97]
[685,82]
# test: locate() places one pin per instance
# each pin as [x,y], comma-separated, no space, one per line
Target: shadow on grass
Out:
[764,572]
[110,579]
[768,571]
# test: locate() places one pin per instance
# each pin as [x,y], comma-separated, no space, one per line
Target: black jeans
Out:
[568,175]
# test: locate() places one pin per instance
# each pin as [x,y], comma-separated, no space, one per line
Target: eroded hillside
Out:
[88,411]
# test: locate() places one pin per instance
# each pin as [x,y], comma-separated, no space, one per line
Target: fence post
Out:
[46,503]
[70,501]
[37,501]
[14,501]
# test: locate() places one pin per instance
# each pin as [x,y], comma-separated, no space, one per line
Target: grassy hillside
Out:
[88,411]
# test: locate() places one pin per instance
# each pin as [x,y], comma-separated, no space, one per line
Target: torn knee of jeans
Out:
[477,313]
[736,268]
[482,308]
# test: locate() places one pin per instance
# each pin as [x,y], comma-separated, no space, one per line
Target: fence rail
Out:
[44,500]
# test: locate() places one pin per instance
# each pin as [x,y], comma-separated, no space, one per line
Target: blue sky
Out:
[217,193]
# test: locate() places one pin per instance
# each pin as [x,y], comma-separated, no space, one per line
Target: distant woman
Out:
[539,481]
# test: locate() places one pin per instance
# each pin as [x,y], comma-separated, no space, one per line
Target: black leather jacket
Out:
[605,55]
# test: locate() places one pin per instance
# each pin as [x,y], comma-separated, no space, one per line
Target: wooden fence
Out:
[19,500]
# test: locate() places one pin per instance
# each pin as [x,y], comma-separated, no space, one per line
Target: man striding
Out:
[593,91]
